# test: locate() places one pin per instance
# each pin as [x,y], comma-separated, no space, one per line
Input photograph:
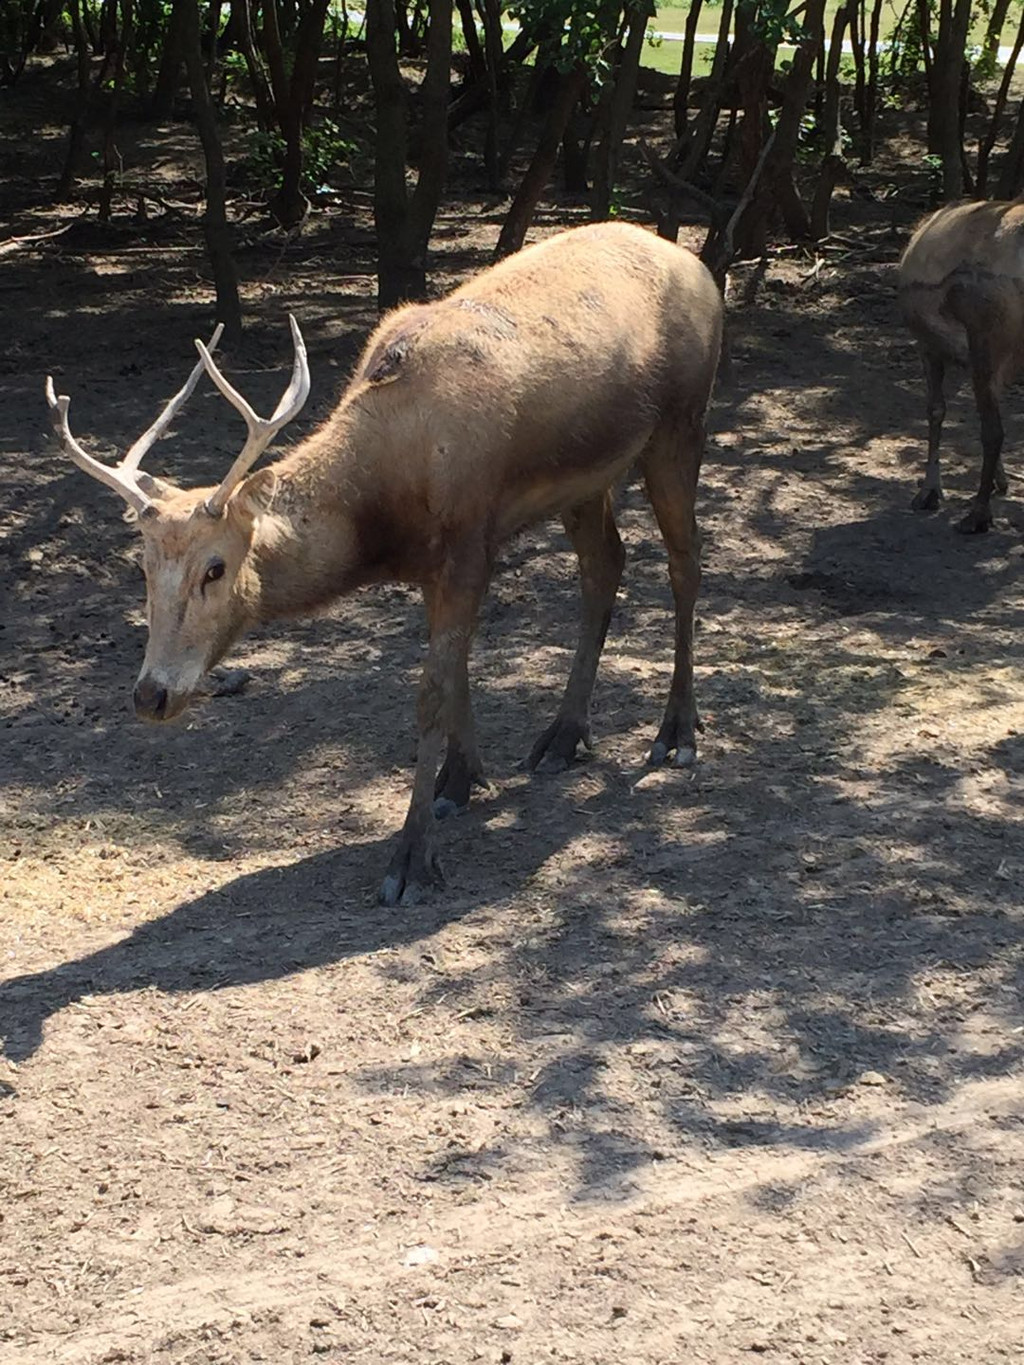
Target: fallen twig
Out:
[13,244]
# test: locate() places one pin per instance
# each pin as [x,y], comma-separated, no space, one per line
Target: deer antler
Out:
[262,430]
[123,478]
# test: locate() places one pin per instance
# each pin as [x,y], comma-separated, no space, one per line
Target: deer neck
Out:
[305,551]
[347,512]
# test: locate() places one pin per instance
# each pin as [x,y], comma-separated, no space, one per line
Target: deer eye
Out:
[214,571]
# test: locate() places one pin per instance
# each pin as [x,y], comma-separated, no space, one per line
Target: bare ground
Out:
[678,1069]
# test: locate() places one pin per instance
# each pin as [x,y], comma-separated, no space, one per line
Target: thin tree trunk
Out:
[404,226]
[493,51]
[83,107]
[619,107]
[215,220]
[871,93]
[778,182]
[576,152]
[752,66]
[474,50]
[992,132]
[681,98]
[858,18]
[1011,173]
[288,205]
[435,94]
[993,31]
[833,164]
[395,278]
[520,214]
[694,149]
[111,156]
[945,135]
[242,21]
[213,35]
[171,61]
[309,40]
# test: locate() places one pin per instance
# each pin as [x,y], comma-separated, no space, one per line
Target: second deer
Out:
[961,287]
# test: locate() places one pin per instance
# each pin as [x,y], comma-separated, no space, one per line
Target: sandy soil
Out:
[679,1068]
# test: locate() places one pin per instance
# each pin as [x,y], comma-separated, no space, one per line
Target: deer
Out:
[530,391]
[961,289]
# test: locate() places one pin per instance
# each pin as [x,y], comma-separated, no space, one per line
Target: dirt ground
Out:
[679,1068]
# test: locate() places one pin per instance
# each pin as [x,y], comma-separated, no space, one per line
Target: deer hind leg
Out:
[987,381]
[671,464]
[452,604]
[929,494]
[595,538]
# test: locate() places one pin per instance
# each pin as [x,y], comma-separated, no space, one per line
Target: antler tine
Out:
[149,437]
[262,430]
[122,481]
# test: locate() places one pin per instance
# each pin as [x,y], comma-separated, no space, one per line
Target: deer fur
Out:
[961,288]
[527,392]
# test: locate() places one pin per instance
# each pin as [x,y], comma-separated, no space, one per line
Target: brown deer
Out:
[528,391]
[961,287]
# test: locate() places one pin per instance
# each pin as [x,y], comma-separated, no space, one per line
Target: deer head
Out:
[201,584]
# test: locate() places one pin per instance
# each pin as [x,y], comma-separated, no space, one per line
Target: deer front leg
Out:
[452,602]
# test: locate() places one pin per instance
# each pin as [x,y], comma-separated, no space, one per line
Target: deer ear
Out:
[256,494]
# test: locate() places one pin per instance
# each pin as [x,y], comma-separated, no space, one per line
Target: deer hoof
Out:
[677,740]
[455,784]
[413,873]
[556,748]
[445,807]
[683,756]
[978,519]
[927,499]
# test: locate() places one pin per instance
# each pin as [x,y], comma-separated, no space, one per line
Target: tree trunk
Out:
[435,94]
[242,21]
[171,60]
[404,227]
[694,150]
[474,50]
[292,99]
[576,152]
[396,276]
[1011,174]
[753,64]
[111,156]
[871,92]
[83,107]
[494,52]
[858,18]
[833,164]
[992,132]
[215,221]
[681,98]
[619,107]
[945,123]
[778,183]
[780,168]
[520,214]
[993,30]
[212,38]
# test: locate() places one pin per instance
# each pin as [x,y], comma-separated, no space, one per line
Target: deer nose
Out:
[150,700]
